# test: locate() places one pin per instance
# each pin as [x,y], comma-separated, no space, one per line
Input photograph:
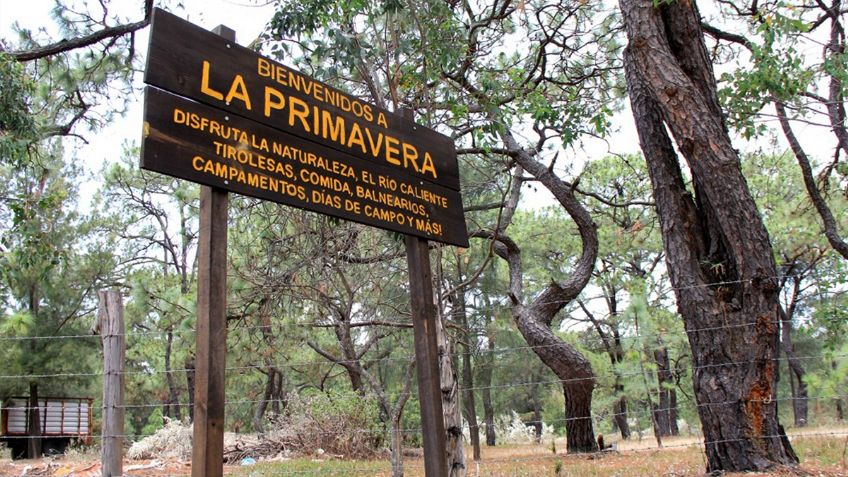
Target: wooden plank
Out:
[426,356]
[190,61]
[207,456]
[192,141]
[209,395]
[111,318]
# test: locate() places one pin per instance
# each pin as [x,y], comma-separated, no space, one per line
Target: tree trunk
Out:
[189,366]
[262,405]
[840,413]
[469,405]
[393,414]
[666,414]
[173,404]
[534,321]
[796,373]
[537,413]
[717,250]
[396,446]
[486,393]
[34,443]
[350,359]
[450,404]
[280,397]
[673,414]
[619,409]
[578,381]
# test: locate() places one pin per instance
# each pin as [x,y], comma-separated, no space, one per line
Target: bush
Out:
[338,424]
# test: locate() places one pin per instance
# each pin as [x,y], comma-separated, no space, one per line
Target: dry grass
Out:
[822,455]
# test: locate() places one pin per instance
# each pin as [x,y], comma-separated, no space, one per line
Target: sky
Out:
[247,18]
[106,146]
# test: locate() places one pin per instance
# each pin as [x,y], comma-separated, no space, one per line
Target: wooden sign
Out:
[193,141]
[223,116]
[190,61]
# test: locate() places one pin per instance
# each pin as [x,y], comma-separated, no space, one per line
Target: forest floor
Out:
[822,453]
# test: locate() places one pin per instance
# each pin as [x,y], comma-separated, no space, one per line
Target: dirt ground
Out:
[822,453]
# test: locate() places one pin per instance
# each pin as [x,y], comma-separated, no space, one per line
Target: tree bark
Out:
[616,354]
[262,405]
[450,403]
[534,320]
[666,412]
[34,443]
[717,250]
[468,401]
[619,410]
[393,414]
[486,393]
[840,412]
[173,405]
[537,413]
[189,366]
[800,399]
[350,360]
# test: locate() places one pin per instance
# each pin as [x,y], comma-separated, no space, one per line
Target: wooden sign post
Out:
[225,117]
[426,356]
[207,450]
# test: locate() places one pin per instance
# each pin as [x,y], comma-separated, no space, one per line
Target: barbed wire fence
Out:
[641,413]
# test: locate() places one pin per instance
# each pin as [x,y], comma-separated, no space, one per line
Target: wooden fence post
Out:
[111,321]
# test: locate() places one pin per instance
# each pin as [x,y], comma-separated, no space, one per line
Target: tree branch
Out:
[83,41]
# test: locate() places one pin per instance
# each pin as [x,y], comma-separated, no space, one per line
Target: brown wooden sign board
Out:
[192,141]
[300,143]
[192,62]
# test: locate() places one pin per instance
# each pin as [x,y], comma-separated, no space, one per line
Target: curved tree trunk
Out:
[574,370]
[534,321]
[717,250]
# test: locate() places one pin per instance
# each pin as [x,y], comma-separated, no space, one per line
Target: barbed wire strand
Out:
[404,323]
[407,358]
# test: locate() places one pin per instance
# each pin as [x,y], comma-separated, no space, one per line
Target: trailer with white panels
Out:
[61,420]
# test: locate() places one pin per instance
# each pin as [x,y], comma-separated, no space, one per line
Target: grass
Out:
[310,467]
[822,452]
[820,456]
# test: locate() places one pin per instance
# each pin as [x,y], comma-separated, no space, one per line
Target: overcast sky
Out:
[248,20]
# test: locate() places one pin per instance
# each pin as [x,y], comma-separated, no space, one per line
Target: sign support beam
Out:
[426,352]
[426,356]
[207,451]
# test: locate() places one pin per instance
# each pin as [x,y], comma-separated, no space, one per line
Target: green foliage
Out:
[17,125]
[776,70]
